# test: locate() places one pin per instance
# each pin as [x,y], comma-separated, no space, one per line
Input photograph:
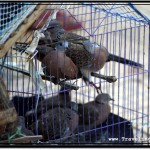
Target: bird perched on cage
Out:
[56,123]
[57,64]
[86,55]
[96,112]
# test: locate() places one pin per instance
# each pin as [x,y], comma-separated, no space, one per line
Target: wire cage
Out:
[124,31]
[12,16]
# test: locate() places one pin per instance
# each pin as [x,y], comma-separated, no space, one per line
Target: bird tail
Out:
[122,60]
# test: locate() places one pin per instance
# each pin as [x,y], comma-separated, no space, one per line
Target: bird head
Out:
[61,45]
[103,98]
[53,23]
[90,46]
[55,30]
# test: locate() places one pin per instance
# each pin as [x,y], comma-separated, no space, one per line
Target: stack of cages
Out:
[124,31]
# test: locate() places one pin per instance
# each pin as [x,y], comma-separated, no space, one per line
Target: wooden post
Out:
[21,31]
[8,114]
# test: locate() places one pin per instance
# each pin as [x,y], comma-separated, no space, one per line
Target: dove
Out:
[87,55]
[62,99]
[95,112]
[57,64]
[56,123]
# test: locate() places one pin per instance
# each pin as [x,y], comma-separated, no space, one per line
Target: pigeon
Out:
[87,55]
[62,99]
[56,123]
[95,112]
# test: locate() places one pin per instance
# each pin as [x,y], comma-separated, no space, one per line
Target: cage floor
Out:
[115,130]
[112,131]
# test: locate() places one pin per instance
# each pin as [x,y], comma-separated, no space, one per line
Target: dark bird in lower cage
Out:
[57,123]
[95,112]
[62,99]
[86,55]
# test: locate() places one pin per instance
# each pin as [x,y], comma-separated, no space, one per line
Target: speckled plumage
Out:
[86,55]
[62,99]
[75,49]
[73,37]
[77,53]
[56,123]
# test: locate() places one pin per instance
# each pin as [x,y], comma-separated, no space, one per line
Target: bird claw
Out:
[98,88]
[68,85]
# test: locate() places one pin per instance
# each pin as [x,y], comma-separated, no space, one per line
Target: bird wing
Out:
[73,37]
[78,54]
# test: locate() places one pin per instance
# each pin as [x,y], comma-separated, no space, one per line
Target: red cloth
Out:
[65,19]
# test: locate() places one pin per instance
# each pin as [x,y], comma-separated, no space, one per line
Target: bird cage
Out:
[12,16]
[119,27]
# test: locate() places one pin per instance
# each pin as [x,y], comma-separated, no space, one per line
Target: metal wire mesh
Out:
[124,32]
[11,16]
